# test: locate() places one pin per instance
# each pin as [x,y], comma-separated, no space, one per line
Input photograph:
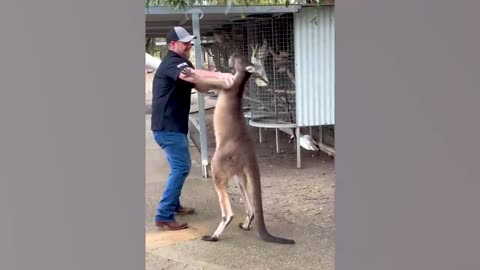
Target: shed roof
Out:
[158,20]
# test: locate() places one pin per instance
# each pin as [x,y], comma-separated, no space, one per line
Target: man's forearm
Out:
[204,83]
[208,74]
[209,83]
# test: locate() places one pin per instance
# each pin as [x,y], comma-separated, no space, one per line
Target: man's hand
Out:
[228,78]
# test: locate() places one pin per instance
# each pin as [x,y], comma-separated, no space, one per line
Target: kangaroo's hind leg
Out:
[220,180]
[241,182]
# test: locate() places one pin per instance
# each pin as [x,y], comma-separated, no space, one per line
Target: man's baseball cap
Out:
[178,33]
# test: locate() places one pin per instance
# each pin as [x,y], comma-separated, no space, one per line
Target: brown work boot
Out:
[171,225]
[182,211]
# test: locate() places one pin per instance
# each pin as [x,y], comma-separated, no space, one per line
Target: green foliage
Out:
[153,49]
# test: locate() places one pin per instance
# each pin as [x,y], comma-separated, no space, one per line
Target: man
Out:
[170,110]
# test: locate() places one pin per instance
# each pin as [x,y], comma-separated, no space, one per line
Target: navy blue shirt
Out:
[171,95]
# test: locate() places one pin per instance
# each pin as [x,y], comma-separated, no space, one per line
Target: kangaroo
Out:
[235,157]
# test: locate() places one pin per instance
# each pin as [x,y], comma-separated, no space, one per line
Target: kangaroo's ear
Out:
[250,69]
[231,61]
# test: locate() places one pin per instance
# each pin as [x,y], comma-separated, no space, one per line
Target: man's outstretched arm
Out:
[206,80]
[208,73]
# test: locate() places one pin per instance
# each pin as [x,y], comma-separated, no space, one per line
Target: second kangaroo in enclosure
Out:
[235,157]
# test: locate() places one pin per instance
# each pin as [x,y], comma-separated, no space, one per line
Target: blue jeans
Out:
[175,145]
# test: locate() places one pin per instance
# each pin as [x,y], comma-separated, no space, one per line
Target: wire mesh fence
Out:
[271,47]
[268,42]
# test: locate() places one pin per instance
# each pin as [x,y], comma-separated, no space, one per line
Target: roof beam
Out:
[222,10]
[204,22]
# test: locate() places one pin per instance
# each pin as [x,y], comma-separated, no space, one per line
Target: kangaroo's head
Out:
[243,70]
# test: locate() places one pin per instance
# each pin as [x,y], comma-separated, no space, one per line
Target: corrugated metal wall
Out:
[315,66]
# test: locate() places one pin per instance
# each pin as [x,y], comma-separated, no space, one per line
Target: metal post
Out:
[277,146]
[201,101]
[299,149]
[320,134]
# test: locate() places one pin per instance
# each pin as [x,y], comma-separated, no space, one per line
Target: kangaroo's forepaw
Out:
[210,238]
[243,227]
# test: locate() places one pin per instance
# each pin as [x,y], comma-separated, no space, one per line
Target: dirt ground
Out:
[298,204]
[298,195]
[305,195]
